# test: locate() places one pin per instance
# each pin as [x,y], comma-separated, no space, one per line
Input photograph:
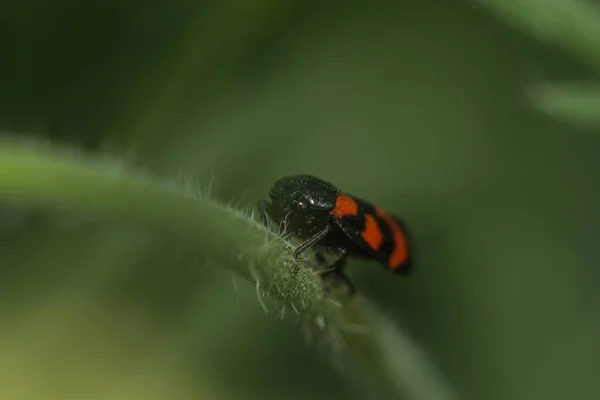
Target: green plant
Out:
[574,26]
[45,176]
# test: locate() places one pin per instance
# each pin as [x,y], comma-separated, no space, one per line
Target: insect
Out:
[337,223]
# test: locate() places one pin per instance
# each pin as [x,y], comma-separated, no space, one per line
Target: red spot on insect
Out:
[344,206]
[372,234]
[399,255]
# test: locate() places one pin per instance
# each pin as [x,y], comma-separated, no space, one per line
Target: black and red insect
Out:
[335,222]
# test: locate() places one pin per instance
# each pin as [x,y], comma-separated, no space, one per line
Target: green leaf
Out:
[574,25]
[575,103]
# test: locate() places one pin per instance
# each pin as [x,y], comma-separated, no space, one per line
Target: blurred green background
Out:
[421,107]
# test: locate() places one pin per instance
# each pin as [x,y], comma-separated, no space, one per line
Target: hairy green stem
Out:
[45,176]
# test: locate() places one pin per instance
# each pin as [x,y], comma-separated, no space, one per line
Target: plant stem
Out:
[43,175]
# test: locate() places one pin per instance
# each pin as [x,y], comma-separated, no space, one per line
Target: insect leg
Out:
[320,257]
[311,241]
[263,209]
[337,269]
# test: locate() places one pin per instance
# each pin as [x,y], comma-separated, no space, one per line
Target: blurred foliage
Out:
[571,24]
[576,103]
[423,107]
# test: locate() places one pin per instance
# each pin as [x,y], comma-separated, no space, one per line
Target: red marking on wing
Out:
[344,206]
[400,254]
[372,234]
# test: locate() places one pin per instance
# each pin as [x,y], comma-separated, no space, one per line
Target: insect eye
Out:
[301,205]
